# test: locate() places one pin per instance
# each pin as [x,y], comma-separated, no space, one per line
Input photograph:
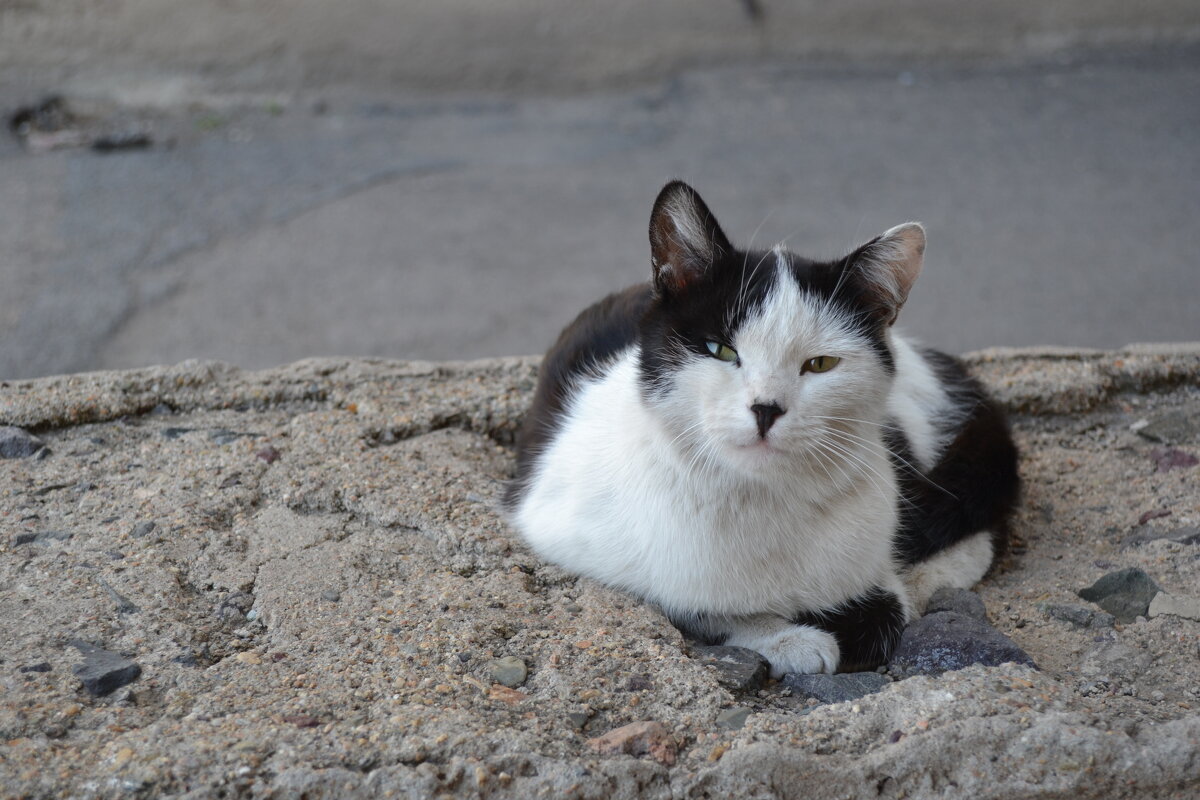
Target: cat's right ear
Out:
[685,239]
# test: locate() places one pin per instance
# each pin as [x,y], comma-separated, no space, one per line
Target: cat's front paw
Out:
[800,648]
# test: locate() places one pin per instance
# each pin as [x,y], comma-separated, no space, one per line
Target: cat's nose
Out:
[766,414]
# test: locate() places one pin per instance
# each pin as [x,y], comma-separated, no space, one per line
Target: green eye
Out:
[820,364]
[721,352]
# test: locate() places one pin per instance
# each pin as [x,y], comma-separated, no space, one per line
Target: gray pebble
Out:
[962,601]
[103,671]
[1173,427]
[738,669]
[124,604]
[1079,616]
[331,595]
[733,718]
[948,640]
[1126,593]
[43,538]
[572,608]
[18,442]
[835,688]
[508,671]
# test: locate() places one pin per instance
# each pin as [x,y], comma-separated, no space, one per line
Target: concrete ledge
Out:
[302,577]
[1027,380]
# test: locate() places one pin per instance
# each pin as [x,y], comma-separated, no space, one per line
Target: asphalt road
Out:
[1062,203]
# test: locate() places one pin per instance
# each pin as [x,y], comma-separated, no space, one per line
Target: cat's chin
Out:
[756,456]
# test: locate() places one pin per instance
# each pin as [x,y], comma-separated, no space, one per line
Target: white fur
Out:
[959,566]
[677,499]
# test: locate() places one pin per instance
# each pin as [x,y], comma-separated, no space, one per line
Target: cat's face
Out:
[756,359]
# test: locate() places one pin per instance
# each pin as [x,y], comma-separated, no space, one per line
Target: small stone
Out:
[103,671]
[1126,594]
[1168,458]
[268,454]
[248,657]
[1157,513]
[945,641]
[1114,662]
[18,442]
[1173,427]
[301,720]
[1079,616]
[41,666]
[508,671]
[332,595]
[1186,607]
[738,668]
[572,608]
[835,688]
[733,718]
[638,739]
[143,529]
[963,601]
[1188,534]
[43,538]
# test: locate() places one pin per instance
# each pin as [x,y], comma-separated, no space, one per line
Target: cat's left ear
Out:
[889,265]
[685,239]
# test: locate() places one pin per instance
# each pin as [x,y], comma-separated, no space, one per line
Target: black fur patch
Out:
[974,486]
[867,628]
[599,333]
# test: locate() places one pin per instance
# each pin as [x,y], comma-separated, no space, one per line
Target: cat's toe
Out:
[802,649]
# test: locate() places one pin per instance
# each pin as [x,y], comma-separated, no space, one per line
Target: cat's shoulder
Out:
[601,332]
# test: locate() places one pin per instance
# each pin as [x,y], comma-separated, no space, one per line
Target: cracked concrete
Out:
[326,581]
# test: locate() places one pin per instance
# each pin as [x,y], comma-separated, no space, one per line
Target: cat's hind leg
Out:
[959,566]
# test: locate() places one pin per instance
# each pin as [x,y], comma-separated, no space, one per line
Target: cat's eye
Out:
[721,352]
[820,364]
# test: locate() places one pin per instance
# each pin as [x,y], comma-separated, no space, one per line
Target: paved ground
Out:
[1061,199]
[304,592]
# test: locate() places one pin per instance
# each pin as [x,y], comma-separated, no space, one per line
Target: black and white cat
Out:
[747,443]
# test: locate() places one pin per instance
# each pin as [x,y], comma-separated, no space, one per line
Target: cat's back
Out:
[600,333]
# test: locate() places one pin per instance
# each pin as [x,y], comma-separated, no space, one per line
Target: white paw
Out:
[800,648]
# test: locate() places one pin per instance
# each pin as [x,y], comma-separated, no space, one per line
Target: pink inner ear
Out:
[892,263]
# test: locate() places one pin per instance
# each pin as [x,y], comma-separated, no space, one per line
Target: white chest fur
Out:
[613,497]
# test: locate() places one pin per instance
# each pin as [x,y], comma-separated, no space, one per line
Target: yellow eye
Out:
[820,364]
[721,352]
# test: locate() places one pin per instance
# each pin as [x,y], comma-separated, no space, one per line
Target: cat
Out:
[747,443]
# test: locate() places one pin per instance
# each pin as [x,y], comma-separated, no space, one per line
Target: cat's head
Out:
[756,357]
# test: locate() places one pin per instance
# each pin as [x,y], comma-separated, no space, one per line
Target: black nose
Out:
[766,414]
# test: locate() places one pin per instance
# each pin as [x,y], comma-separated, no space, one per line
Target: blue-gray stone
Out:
[1079,616]
[738,668]
[1126,594]
[947,640]
[963,601]
[102,671]
[18,443]
[835,688]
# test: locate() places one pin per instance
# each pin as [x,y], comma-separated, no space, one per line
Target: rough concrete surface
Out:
[320,603]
